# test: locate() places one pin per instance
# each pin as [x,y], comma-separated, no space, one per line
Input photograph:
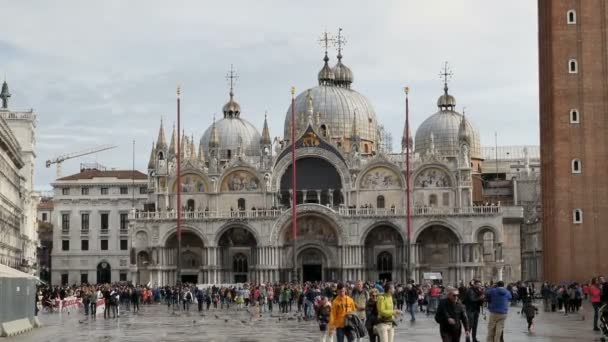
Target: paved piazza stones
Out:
[156,323]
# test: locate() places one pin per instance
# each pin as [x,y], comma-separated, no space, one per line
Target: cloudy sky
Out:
[99,72]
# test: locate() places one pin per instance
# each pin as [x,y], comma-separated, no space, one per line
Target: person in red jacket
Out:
[595,297]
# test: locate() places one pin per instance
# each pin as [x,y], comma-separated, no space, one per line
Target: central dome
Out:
[336,108]
[233,132]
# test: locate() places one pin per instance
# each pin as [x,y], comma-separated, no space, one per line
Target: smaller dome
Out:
[231,108]
[446,100]
[343,75]
[326,75]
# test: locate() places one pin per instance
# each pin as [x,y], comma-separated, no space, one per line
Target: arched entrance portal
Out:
[317,237]
[104,273]
[437,246]
[192,255]
[312,261]
[237,247]
[384,254]
[312,188]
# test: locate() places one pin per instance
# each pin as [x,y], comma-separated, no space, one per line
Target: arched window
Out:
[385,262]
[239,263]
[366,147]
[324,131]
[190,205]
[573,66]
[241,204]
[228,154]
[571,17]
[577,216]
[576,166]
[433,200]
[380,202]
[574,116]
[161,156]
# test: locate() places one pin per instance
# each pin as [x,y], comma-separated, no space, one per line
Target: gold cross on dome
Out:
[325,40]
[340,41]
[446,73]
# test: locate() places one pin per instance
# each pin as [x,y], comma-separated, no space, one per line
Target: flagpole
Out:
[178,273]
[294,224]
[407,184]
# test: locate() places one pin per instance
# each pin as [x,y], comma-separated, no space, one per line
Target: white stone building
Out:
[91,239]
[18,233]
[237,186]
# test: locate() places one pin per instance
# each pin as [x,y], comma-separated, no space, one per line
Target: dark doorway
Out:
[104,273]
[388,276]
[240,278]
[312,273]
[189,278]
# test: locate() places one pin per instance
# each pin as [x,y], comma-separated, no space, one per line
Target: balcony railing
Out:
[348,212]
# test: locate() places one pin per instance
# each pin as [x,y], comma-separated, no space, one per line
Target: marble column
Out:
[330,196]
[319,196]
[304,196]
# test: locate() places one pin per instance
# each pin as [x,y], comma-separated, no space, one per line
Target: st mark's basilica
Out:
[237,195]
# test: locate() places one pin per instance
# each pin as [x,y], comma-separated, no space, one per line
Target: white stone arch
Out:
[188,229]
[198,172]
[375,225]
[311,152]
[379,164]
[328,255]
[442,223]
[241,167]
[488,227]
[307,209]
[229,225]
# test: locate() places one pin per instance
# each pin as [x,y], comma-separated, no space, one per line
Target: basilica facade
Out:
[236,186]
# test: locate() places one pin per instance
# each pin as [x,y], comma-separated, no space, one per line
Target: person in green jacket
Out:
[386,314]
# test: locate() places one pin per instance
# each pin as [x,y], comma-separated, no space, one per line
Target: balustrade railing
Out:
[349,212]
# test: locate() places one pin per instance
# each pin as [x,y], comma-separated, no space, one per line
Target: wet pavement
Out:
[157,323]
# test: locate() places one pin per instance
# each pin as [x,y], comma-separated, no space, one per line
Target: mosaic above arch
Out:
[313,228]
[380,178]
[433,177]
[240,181]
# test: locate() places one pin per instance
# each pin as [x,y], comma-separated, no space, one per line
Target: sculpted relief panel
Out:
[432,178]
[191,183]
[380,178]
[240,181]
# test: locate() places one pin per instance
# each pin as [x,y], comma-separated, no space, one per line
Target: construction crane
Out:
[60,159]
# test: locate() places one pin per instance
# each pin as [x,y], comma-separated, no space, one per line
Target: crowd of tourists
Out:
[352,311]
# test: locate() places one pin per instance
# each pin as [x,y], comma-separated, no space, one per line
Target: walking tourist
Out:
[451,316]
[340,307]
[498,304]
[385,328]
[473,302]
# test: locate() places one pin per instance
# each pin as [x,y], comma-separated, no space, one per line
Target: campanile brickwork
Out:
[574,30]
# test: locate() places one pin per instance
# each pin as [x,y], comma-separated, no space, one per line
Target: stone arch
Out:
[230,225]
[304,209]
[443,223]
[311,152]
[379,165]
[487,227]
[188,229]
[375,225]
[195,176]
[143,259]
[240,179]
[436,245]
[418,181]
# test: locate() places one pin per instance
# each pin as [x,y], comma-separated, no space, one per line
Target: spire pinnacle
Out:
[265,132]
[161,143]
[5,94]
[214,141]
[172,146]
[151,162]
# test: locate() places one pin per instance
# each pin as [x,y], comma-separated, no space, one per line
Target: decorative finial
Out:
[446,74]
[179,91]
[293,91]
[325,40]
[5,94]
[340,41]
[407,90]
[232,77]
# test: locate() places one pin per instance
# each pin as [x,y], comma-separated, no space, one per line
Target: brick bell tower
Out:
[573,65]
